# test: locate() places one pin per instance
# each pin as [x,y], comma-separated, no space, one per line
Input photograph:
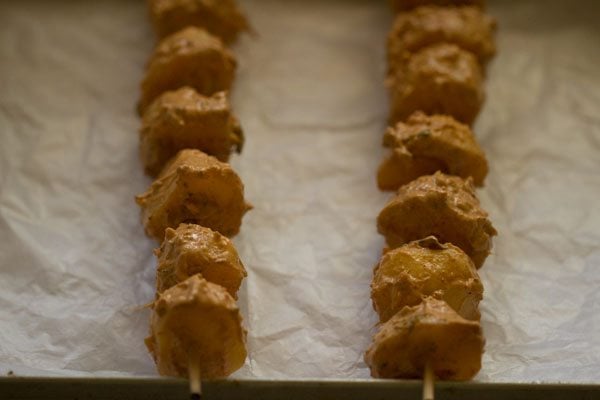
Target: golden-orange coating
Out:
[467,27]
[404,5]
[197,321]
[430,332]
[184,119]
[222,18]
[426,268]
[425,144]
[438,205]
[194,188]
[439,79]
[193,249]
[190,57]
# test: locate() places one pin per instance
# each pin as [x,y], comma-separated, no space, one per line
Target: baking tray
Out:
[100,386]
[158,389]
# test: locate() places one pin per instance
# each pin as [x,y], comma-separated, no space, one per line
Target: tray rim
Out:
[25,387]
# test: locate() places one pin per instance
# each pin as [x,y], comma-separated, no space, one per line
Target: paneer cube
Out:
[194,188]
[192,249]
[197,322]
[190,57]
[442,206]
[467,27]
[429,333]
[222,18]
[184,119]
[439,79]
[425,144]
[426,268]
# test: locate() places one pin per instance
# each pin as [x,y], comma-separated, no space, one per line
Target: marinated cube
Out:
[190,57]
[197,321]
[442,206]
[193,249]
[222,18]
[439,79]
[184,119]
[426,268]
[194,188]
[425,144]
[429,333]
[467,27]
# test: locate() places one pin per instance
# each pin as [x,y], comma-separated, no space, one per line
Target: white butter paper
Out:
[76,264]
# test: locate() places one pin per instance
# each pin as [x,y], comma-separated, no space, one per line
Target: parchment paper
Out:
[76,264]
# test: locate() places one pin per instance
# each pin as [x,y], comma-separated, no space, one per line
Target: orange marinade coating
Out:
[425,144]
[197,321]
[194,188]
[467,27]
[426,268]
[221,18]
[184,119]
[193,249]
[442,206]
[404,5]
[440,79]
[430,332]
[190,57]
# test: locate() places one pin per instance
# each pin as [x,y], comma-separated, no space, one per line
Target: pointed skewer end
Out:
[428,383]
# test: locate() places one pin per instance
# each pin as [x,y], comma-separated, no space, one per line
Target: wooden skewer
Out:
[141,307]
[428,383]
[195,379]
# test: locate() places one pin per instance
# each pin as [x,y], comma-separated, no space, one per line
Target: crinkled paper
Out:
[76,266]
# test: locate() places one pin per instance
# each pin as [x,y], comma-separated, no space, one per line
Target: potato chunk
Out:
[184,119]
[197,320]
[426,268]
[222,18]
[425,144]
[430,332]
[404,5]
[194,188]
[439,79]
[193,249]
[442,206]
[190,57]
[467,27]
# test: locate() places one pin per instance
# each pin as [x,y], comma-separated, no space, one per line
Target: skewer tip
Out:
[428,383]
[195,380]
